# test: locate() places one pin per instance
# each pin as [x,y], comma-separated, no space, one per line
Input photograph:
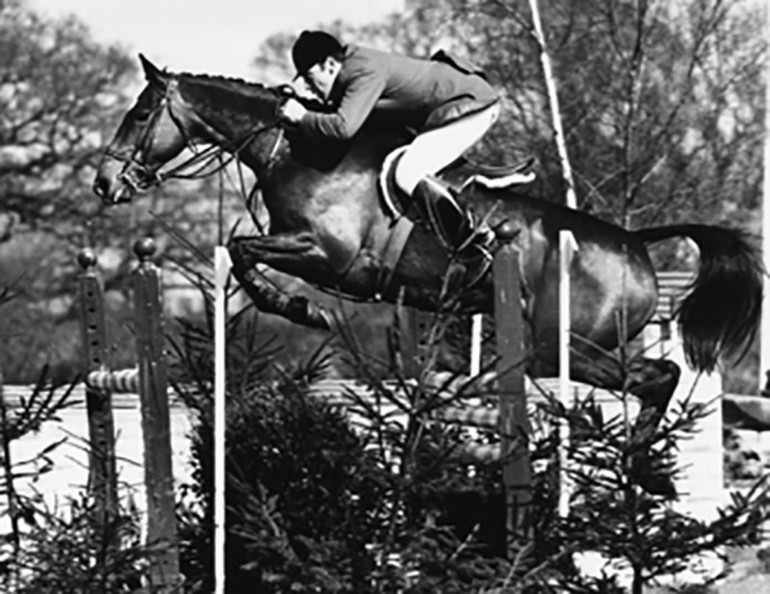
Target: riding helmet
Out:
[313,47]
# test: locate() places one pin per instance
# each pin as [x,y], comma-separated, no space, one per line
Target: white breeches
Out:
[433,150]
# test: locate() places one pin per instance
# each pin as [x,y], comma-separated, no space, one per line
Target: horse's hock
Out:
[149,380]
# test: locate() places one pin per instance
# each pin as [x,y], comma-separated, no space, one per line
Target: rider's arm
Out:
[359,97]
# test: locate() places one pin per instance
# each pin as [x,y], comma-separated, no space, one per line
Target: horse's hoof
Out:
[658,484]
[326,318]
[654,482]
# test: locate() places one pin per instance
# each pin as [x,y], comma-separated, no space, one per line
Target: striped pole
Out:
[123,381]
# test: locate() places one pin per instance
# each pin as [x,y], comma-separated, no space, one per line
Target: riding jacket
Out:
[426,93]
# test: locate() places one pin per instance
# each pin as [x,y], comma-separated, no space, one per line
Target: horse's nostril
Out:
[100,187]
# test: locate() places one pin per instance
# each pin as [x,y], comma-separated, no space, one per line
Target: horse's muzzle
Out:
[112,193]
[101,187]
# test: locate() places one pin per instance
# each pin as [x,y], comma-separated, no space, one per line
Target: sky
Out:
[208,36]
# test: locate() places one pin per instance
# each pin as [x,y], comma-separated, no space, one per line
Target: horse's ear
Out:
[151,72]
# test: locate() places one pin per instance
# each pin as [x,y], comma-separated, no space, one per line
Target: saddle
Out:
[436,206]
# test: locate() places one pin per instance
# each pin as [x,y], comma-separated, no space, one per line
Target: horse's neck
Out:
[226,114]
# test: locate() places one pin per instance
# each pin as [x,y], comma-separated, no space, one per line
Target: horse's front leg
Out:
[292,253]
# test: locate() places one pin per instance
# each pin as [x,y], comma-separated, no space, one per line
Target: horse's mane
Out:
[223,84]
[216,86]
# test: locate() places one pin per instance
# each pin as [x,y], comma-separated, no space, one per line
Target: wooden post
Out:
[102,473]
[156,430]
[514,421]
[6,467]
[409,334]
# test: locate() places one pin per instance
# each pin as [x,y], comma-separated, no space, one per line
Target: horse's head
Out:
[148,137]
[177,111]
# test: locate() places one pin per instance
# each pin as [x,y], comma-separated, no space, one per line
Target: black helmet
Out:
[313,47]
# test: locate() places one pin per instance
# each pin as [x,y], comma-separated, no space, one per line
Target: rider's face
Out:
[320,77]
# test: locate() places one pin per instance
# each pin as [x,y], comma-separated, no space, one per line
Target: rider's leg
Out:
[430,152]
[433,150]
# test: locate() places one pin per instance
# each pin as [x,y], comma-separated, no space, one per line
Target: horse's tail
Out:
[721,313]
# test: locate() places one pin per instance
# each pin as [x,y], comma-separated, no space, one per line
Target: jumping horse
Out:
[330,226]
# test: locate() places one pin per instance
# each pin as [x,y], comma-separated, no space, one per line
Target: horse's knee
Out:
[237,249]
[233,246]
[658,382]
[236,244]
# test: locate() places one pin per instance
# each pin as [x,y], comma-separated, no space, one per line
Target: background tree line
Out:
[662,106]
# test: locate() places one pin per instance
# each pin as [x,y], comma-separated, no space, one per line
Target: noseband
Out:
[136,174]
[140,176]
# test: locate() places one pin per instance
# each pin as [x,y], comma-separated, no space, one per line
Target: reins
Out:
[202,163]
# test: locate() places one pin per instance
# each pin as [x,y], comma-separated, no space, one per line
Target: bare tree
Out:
[659,100]
[59,91]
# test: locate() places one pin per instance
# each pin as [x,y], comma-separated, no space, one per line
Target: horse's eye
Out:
[141,114]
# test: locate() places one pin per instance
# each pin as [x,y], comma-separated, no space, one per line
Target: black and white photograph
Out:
[384,296]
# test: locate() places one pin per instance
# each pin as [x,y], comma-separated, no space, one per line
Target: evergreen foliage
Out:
[387,503]
[68,548]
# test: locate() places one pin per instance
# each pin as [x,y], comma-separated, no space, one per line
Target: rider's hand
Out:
[292,111]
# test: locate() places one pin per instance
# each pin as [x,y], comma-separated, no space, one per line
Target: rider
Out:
[449,99]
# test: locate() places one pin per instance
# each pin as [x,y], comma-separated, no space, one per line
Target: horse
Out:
[330,226]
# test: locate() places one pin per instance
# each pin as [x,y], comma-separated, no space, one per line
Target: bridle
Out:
[138,175]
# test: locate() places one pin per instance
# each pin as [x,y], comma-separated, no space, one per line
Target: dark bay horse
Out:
[328,226]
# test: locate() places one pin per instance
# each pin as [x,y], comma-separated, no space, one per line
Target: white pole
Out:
[764,334]
[553,100]
[476,323]
[222,266]
[567,246]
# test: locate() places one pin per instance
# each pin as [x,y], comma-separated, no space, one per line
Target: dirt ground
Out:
[748,575]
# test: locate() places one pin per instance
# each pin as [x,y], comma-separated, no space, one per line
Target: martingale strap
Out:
[399,234]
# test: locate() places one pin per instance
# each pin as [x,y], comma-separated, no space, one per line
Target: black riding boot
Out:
[439,208]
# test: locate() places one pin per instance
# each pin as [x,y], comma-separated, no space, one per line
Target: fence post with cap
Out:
[102,473]
[156,425]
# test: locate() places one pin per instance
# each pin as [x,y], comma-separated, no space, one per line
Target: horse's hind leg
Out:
[653,381]
[279,252]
